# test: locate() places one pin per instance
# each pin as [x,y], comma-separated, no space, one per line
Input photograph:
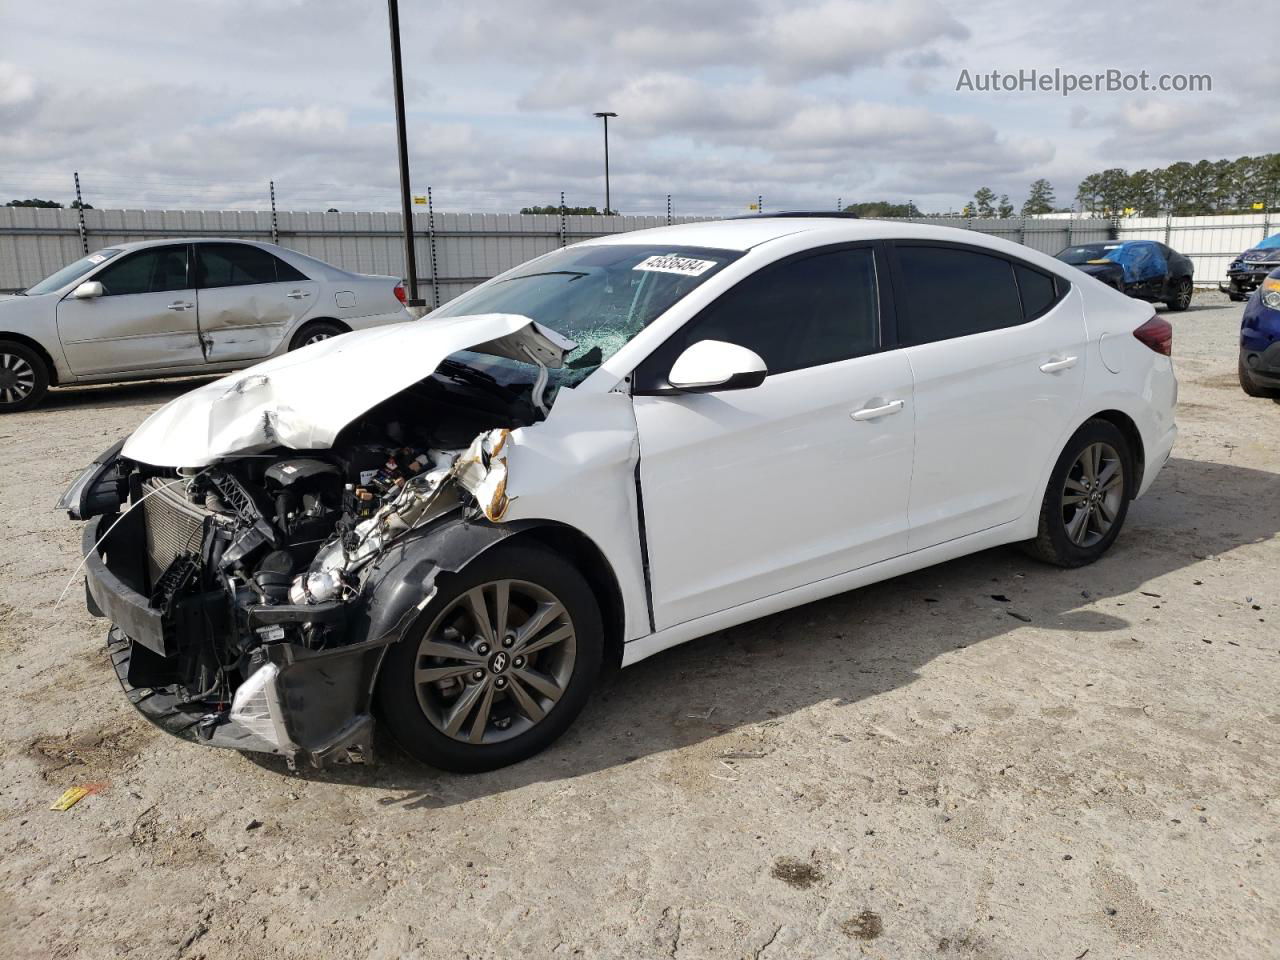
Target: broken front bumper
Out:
[294,702]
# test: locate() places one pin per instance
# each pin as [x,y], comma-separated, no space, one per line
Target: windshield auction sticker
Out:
[670,263]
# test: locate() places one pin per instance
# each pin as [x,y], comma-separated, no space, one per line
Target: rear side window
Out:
[796,314]
[238,264]
[951,292]
[1036,289]
[156,270]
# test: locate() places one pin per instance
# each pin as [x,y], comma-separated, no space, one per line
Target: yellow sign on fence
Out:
[420,199]
[1258,206]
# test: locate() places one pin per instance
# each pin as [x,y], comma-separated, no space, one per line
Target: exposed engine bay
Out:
[249,561]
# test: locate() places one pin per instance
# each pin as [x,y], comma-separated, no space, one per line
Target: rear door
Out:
[145,319]
[249,299]
[997,351]
[751,492]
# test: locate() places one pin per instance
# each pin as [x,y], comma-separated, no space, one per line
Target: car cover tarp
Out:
[1140,261]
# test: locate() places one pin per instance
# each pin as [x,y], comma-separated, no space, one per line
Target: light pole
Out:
[402,143]
[605,115]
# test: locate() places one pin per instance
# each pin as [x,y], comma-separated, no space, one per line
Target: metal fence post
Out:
[1168,227]
[563,226]
[668,209]
[84,235]
[759,204]
[839,204]
[275,226]
[431,240]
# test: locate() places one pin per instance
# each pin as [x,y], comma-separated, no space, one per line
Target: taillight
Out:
[1157,333]
[400,292]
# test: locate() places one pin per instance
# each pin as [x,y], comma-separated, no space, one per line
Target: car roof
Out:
[749,232]
[166,241]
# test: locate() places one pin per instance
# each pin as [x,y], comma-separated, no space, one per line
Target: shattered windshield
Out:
[598,296]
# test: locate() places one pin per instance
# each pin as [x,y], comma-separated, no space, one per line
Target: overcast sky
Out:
[186,104]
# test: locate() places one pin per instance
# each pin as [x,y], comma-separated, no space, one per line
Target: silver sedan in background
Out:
[161,308]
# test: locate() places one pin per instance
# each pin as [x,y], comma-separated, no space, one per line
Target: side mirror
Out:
[711,365]
[89,290]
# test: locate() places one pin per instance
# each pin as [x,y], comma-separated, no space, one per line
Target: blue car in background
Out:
[1246,272]
[1142,269]
[1260,340]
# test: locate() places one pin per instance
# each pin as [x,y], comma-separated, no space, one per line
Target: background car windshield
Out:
[1086,252]
[598,296]
[71,272]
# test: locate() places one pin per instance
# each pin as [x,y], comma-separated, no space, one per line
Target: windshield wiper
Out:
[575,274]
[465,374]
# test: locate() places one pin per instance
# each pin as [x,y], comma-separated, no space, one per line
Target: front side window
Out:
[806,311]
[239,264]
[953,292]
[598,296]
[154,270]
[71,272]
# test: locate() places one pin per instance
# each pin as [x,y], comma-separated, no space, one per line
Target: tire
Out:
[1237,297]
[1181,299]
[315,331]
[24,377]
[521,717]
[1251,388]
[1063,538]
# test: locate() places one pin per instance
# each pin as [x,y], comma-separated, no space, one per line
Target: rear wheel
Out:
[1181,298]
[1248,385]
[1087,498]
[24,377]
[499,663]
[315,331]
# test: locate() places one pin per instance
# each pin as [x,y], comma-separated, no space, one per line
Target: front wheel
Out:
[498,664]
[24,377]
[1087,497]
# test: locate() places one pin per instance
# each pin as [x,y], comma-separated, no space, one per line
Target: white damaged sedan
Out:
[458,524]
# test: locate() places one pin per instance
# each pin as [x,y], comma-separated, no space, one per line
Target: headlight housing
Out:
[1271,292]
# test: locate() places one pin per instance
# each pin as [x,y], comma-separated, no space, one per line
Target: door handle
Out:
[298,295]
[1053,366]
[181,305]
[873,413]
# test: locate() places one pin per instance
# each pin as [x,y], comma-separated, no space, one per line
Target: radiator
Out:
[174,526]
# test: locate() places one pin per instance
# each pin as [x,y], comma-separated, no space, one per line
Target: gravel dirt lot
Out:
[990,758]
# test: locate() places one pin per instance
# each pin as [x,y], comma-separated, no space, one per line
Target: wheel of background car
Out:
[497,665]
[1087,498]
[1237,297]
[24,377]
[316,331]
[1249,387]
[1181,298]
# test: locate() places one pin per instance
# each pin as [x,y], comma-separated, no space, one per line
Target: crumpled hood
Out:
[303,399]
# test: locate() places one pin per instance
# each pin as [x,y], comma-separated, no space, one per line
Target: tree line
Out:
[1184,189]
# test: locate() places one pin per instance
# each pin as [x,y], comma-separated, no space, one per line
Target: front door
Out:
[752,492]
[250,300]
[145,319]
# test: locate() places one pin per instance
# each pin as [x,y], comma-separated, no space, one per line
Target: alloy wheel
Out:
[316,338]
[495,661]
[17,378]
[1184,294]
[1093,494]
